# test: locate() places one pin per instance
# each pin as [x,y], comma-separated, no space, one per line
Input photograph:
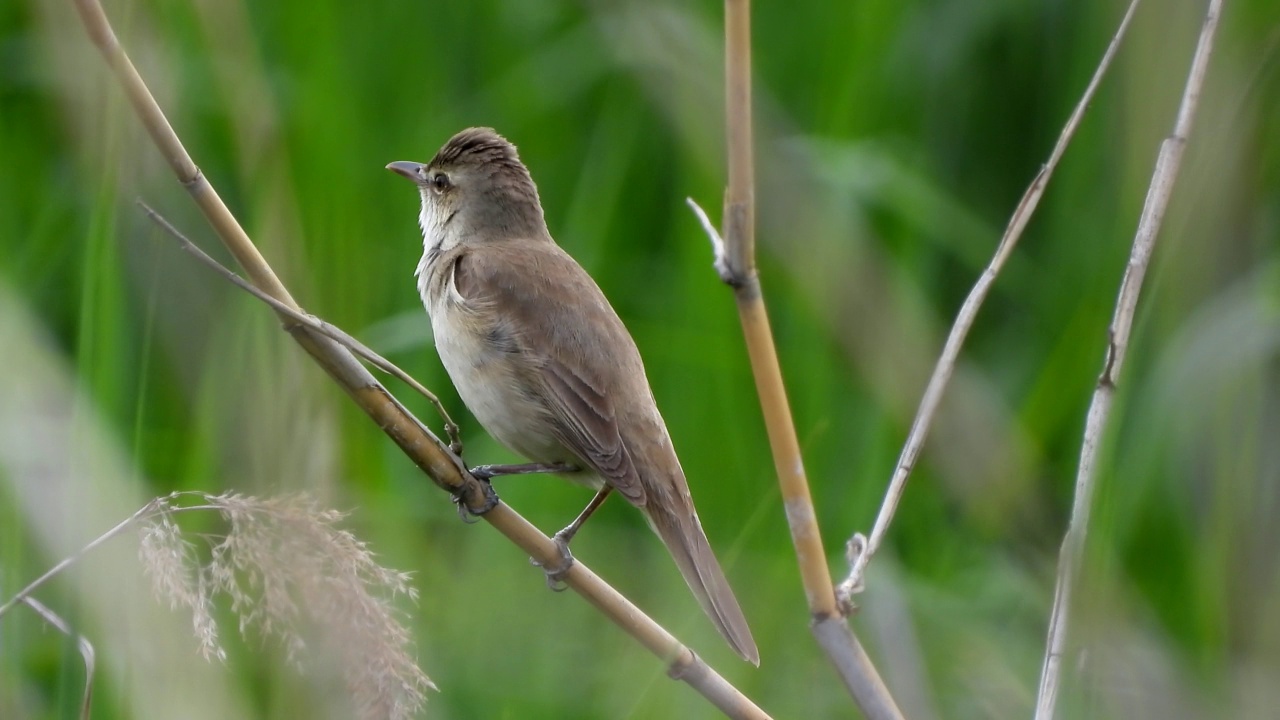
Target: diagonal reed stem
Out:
[862,550]
[1159,191]
[415,440]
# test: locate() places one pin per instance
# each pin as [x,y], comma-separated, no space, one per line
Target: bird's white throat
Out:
[435,238]
[431,220]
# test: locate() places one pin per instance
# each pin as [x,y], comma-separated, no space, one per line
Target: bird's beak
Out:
[407,168]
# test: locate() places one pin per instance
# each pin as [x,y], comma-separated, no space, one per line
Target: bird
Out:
[542,360]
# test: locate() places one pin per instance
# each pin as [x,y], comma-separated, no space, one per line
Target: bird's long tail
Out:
[683,536]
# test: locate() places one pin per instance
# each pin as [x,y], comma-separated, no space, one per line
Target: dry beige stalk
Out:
[735,264]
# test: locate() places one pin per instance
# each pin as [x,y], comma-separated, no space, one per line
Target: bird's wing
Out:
[579,357]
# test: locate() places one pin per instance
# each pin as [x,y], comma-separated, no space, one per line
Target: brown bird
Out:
[542,360]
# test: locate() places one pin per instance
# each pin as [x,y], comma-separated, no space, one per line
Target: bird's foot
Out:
[471,515]
[557,573]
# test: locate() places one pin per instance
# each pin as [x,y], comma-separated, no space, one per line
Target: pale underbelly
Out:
[500,399]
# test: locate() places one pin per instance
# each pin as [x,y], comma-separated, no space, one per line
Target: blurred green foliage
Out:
[894,139]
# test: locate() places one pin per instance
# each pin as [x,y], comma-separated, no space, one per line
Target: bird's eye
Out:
[440,182]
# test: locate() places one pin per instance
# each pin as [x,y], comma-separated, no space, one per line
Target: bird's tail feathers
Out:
[683,536]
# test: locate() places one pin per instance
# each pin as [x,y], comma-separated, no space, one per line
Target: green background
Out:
[893,141]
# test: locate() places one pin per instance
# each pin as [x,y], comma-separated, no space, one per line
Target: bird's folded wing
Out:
[587,426]
[556,337]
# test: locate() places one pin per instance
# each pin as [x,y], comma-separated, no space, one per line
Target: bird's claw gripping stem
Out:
[557,573]
[470,516]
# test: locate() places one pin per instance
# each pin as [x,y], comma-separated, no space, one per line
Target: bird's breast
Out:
[487,368]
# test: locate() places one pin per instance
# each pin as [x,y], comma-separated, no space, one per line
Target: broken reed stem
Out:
[860,549]
[415,440]
[142,513]
[85,647]
[1158,193]
[153,508]
[737,268]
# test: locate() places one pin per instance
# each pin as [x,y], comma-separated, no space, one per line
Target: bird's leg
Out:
[488,472]
[484,473]
[555,575]
[564,536]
